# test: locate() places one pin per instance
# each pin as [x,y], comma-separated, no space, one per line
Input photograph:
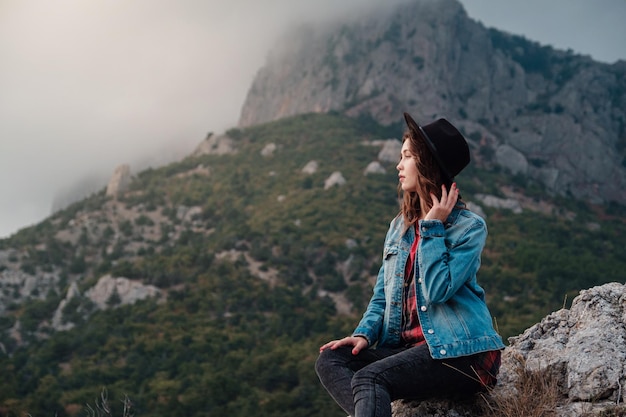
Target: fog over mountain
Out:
[87,86]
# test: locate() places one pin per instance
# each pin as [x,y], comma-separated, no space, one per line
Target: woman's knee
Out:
[321,363]
[328,360]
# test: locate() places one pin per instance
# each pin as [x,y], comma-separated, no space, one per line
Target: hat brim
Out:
[417,129]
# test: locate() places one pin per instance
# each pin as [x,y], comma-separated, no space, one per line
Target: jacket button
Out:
[423,308]
[443,351]
[419,280]
[431,331]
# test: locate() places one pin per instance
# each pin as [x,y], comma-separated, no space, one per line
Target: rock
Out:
[268,150]
[576,358]
[374,167]
[188,214]
[310,167]
[593,226]
[17,286]
[588,342]
[128,291]
[442,408]
[476,209]
[500,203]
[215,145]
[547,176]
[390,151]
[511,159]
[57,318]
[124,290]
[198,170]
[119,181]
[335,179]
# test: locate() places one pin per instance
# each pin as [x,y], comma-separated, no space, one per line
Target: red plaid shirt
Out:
[486,364]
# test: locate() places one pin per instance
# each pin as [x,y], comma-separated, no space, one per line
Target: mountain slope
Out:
[258,262]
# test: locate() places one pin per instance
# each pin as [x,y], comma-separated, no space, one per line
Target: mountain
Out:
[546,114]
[204,287]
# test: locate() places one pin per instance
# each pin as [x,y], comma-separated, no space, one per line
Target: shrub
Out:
[101,406]
[534,394]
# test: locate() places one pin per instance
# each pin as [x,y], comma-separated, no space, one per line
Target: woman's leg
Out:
[410,373]
[335,369]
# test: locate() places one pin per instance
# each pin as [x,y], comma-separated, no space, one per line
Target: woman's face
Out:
[407,168]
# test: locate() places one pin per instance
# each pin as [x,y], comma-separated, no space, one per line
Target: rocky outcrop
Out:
[310,167]
[500,203]
[119,181]
[583,348]
[18,286]
[374,167]
[335,179]
[390,151]
[58,321]
[109,292]
[215,145]
[269,149]
[574,359]
[123,290]
[550,115]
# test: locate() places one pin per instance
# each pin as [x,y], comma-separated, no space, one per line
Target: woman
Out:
[427,331]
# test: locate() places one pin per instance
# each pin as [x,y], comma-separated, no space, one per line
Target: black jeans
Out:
[364,385]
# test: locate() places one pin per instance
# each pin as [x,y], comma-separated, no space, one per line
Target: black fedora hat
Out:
[447,144]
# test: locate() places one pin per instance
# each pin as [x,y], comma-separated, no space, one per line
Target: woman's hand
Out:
[357,342]
[441,209]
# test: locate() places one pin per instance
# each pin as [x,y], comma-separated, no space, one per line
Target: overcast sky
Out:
[88,85]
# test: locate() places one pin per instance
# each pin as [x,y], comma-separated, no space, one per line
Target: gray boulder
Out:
[335,179]
[374,167]
[119,181]
[215,145]
[571,364]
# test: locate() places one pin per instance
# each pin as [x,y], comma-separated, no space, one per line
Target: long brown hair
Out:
[415,204]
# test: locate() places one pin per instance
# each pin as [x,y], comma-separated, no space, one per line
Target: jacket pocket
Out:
[454,317]
[390,255]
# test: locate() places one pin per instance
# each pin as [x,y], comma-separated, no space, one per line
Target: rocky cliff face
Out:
[550,115]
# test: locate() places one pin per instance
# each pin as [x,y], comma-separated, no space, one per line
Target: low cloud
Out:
[89,85]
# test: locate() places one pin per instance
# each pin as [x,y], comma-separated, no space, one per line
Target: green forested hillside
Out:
[252,279]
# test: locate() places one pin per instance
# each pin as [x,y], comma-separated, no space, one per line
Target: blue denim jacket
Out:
[451,305]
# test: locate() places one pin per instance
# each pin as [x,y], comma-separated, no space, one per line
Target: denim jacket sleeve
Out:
[447,258]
